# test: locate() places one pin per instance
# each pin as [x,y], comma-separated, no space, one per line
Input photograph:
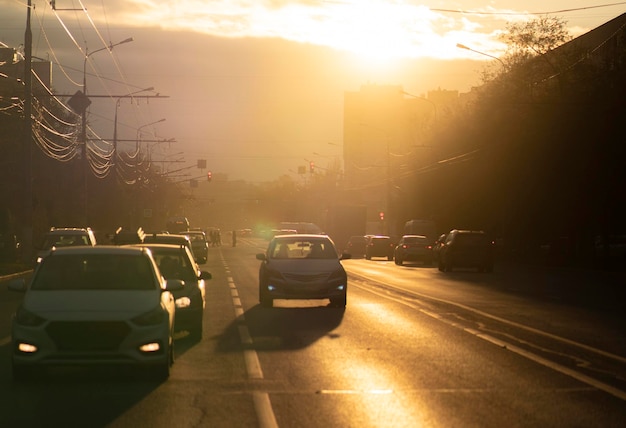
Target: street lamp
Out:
[462,46]
[117,106]
[84,115]
[139,131]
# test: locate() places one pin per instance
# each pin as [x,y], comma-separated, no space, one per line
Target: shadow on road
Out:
[282,328]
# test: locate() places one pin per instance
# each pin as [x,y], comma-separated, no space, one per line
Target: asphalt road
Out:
[414,347]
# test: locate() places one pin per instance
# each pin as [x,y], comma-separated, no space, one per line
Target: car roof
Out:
[98,249]
[68,231]
[302,236]
[414,236]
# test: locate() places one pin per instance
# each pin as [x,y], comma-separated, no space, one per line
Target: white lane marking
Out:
[5,340]
[519,351]
[261,400]
[502,320]
[556,367]
[264,411]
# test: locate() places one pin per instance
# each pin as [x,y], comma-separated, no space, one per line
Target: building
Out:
[383,126]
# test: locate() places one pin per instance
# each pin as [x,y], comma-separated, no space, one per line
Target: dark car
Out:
[437,247]
[176,262]
[302,266]
[467,249]
[356,246]
[200,245]
[379,246]
[415,248]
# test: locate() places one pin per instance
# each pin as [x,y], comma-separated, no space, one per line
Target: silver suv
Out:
[65,237]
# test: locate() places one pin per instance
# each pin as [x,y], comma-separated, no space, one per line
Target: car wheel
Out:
[399,262]
[368,257]
[440,266]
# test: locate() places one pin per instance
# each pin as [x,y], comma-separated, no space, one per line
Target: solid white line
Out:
[529,355]
[5,340]
[502,320]
[556,367]
[264,411]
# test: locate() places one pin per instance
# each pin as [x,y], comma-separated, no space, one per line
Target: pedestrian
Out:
[234,238]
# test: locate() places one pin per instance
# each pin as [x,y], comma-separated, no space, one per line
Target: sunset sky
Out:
[256,87]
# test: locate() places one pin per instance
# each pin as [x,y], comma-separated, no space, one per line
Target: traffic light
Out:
[381,215]
[209,176]
[311,167]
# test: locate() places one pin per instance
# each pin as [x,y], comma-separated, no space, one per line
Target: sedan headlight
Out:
[183,302]
[154,317]
[27,318]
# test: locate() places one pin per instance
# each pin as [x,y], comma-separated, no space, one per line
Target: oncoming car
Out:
[102,305]
[302,266]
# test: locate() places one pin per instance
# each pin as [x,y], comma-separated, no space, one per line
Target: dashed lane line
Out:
[261,400]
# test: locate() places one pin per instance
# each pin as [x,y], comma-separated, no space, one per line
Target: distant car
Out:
[379,246]
[466,249]
[413,248]
[102,305]
[199,244]
[356,246]
[58,237]
[439,242]
[302,266]
[176,262]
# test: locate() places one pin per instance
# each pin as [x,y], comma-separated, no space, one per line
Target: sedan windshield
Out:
[302,248]
[95,272]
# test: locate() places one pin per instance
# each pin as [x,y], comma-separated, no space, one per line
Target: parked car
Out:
[416,248]
[58,237]
[200,245]
[356,246]
[302,266]
[379,246]
[467,249]
[94,305]
[176,262]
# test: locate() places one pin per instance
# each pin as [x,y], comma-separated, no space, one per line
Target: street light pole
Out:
[84,115]
[117,106]
[83,131]
[462,46]
[139,132]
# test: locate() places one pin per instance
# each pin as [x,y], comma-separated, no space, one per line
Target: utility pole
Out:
[27,214]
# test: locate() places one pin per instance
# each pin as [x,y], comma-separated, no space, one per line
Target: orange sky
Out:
[256,87]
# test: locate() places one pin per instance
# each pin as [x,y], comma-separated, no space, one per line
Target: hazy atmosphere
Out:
[255,88]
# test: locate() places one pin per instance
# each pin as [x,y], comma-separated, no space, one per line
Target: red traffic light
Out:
[311,167]
[381,215]
[209,176]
